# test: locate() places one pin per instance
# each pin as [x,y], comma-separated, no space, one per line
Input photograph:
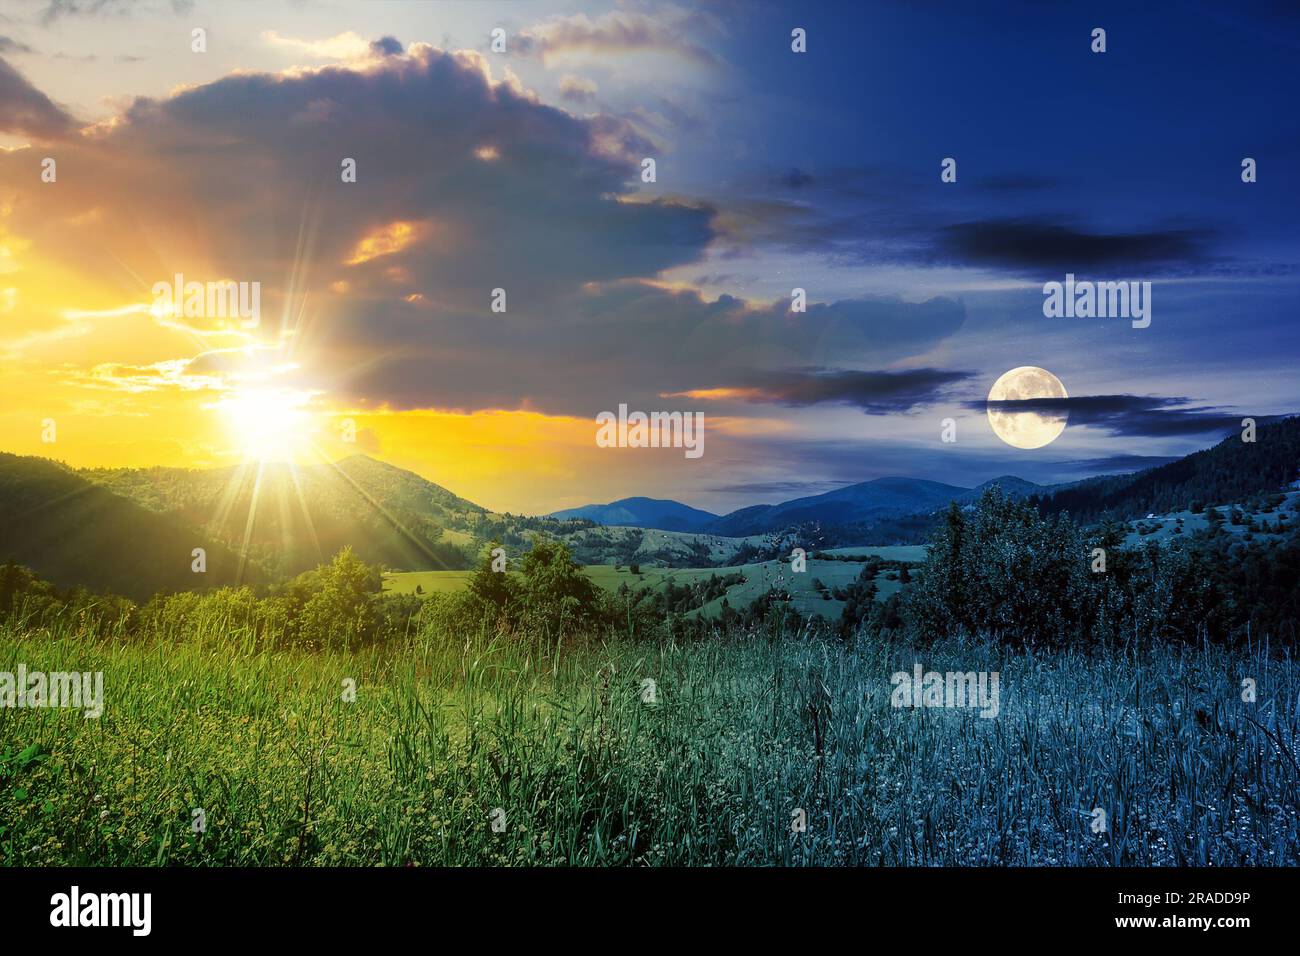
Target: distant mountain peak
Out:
[661,514]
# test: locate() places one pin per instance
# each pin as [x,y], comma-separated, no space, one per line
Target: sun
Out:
[268,424]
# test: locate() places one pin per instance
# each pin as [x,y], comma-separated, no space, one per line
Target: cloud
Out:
[577,89]
[1035,245]
[622,31]
[25,109]
[58,9]
[1131,415]
[382,289]
[854,214]
[627,341]
[1017,182]
[343,46]
[465,185]
[875,392]
[10,45]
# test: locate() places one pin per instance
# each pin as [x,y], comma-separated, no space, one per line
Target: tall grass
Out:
[746,730]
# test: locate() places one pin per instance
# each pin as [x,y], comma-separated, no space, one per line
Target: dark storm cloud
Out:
[1130,415]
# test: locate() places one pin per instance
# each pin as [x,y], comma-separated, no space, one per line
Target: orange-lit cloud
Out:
[387,240]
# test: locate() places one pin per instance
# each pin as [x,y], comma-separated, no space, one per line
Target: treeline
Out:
[675,598]
[1233,470]
[339,604]
[1004,569]
[999,569]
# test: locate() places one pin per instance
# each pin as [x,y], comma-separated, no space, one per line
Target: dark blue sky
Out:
[1122,165]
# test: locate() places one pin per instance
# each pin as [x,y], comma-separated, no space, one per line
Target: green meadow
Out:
[550,716]
[805,596]
[468,749]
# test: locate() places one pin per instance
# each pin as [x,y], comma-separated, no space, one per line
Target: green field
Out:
[914,553]
[758,579]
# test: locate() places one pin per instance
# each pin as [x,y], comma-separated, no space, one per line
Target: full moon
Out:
[1027,429]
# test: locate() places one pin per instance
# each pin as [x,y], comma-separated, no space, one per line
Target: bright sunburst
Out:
[268,424]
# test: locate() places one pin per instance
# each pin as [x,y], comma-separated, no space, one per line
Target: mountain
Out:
[856,504]
[660,514]
[1011,485]
[73,531]
[1231,471]
[865,503]
[304,514]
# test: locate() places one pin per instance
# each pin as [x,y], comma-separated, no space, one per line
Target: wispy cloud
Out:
[342,46]
[1149,416]
[673,32]
[874,392]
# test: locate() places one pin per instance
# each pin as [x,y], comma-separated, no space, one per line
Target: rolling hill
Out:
[73,531]
[304,514]
[854,504]
[131,531]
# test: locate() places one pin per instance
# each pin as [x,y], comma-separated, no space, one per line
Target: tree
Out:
[340,609]
[1004,570]
[555,593]
[494,588]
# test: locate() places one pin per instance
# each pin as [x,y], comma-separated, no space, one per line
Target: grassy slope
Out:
[758,579]
[446,730]
[1165,528]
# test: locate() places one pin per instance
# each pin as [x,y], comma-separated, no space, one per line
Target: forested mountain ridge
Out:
[75,532]
[1231,471]
[294,517]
